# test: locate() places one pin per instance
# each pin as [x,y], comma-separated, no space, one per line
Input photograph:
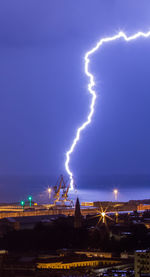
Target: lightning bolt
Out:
[91,90]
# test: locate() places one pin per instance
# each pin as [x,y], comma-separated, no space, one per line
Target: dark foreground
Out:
[71,246]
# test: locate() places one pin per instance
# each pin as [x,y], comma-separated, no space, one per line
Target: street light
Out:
[22,203]
[116,214]
[103,216]
[30,200]
[49,193]
[116,194]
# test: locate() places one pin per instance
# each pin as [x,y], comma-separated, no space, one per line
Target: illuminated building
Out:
[143,207]
[87,204]
[76,264]
[95,254]
[142,263]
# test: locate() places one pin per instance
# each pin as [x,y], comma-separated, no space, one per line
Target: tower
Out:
[77,216]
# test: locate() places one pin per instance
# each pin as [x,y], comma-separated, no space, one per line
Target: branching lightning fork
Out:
[92,91]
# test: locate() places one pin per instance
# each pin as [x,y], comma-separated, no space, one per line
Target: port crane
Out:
[65,193]
[64,197]
[59,185]
[61,190]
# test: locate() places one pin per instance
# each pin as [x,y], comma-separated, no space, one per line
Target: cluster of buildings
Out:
[103,264]
[98,263]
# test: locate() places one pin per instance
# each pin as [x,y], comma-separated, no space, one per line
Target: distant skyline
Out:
[44,94]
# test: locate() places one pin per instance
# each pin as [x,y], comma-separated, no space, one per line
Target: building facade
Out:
[142,262]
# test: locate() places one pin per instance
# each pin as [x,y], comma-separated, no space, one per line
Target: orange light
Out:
[103,214]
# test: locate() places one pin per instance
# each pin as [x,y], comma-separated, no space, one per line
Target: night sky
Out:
[44,97]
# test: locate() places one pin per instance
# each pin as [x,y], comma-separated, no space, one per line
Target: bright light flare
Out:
[103,214]
[91,90]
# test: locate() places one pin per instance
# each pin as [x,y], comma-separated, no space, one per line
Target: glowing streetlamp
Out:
[49,193]
[116,194]
[103,217]
[22,203]
[30,200]
[116,214]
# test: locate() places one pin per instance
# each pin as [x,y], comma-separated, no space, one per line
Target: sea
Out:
[18,188]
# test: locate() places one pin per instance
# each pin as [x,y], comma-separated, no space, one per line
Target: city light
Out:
[49,192]
[115,194]
[22,203]
[30,200]
[103,214]
[92,92]
[116,215]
